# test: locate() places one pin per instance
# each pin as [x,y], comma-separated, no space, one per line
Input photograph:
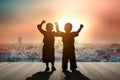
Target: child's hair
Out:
[68,27]
[49,26]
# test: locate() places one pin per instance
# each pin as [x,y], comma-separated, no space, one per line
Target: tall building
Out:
[20,44]
[20,40]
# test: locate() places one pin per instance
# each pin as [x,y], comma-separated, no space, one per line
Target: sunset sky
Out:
[101,19]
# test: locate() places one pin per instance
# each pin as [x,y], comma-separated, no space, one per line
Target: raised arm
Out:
[57,27]
[58,31]
[39,26]
[81,26]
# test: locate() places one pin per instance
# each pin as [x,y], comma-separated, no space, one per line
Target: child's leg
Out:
[64,64]
[53,67]
[47,66]
[52,64]
[73,64]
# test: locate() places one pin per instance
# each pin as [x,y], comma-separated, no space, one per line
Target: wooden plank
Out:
[35,71]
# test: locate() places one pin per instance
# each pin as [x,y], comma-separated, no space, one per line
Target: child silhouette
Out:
[68,46]
[48,47]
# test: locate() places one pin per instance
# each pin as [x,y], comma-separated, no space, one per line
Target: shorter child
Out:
[48,47]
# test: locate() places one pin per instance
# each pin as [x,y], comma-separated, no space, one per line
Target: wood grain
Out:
[32,70]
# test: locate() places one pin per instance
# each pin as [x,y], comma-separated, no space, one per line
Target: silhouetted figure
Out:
[40,76]
[68,46]
[75,76]
[48,47]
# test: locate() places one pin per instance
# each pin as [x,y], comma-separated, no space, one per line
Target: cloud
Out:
[18,9]
[101,16]
[111,19]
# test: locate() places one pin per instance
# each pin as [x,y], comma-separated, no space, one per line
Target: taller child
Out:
[68,46]
[48,47]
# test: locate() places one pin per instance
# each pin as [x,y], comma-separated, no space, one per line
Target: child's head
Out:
[68,27]
[49,26]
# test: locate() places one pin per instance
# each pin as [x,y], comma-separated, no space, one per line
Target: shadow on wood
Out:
[76,75]
[40,76]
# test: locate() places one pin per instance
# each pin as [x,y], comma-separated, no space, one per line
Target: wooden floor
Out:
[35,71]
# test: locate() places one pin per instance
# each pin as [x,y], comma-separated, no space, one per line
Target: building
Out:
[112,56]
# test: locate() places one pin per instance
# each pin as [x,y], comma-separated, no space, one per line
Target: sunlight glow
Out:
[75,23]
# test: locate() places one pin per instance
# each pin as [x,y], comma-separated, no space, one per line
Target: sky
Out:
[101,19]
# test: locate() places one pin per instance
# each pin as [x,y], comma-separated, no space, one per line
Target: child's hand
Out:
[81,26]
[56,23]
[44,21]
[38,25]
